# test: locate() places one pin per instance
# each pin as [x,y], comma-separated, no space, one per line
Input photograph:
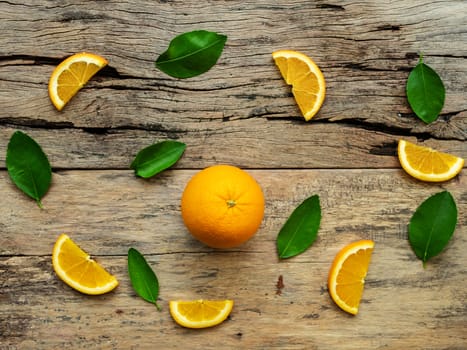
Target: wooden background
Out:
[241,113]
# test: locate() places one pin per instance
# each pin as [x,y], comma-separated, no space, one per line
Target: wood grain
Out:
[242,113]
[248,144]
[107,212]
[365,50]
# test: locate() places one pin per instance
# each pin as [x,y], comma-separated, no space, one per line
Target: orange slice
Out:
[200,313]
[347,275]
[307,80]
[76,268]
[426,164]
[71,75]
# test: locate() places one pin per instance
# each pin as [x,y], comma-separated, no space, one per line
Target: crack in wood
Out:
[384,149]
[416,55]
[446,56]
[35,123]
[396,130]
[331,7]
[48,125]
[30,59]
[82,16]
[111,72]
[381,127]
[256,113]
[390,27]
[391,130]
[364,67]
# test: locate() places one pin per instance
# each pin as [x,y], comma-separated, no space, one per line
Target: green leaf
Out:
[432,225]
[301,228]
[425,92]
[28,166]
[191,54]
[157,157]
[143,278]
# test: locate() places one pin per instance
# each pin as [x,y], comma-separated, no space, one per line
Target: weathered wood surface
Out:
[109,211]
[365,50]
[242,113]
[248,144]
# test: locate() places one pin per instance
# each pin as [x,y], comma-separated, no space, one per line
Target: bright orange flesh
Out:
[71,75]
[307,80]
[222,206]
[76,268]
[427,164]
[347,275]
[200,313]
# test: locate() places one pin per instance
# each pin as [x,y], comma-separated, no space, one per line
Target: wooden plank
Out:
[410,307]
[111,210]
[364,48]
[106,212]
[252,143]
[242,113]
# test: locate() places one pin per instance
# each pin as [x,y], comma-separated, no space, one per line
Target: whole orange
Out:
[222,206]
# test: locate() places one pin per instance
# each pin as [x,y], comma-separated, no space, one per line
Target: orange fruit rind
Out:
[222,206]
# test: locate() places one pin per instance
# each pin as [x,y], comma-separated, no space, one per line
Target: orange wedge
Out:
[200,313]
[71,75]
[426,164]
[76,268]
[307,80]
[347,275]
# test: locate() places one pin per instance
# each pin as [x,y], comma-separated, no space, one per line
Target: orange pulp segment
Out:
[427,164]
[200,313]
[347,275]
[76,268]
[71,75]
[307,80]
